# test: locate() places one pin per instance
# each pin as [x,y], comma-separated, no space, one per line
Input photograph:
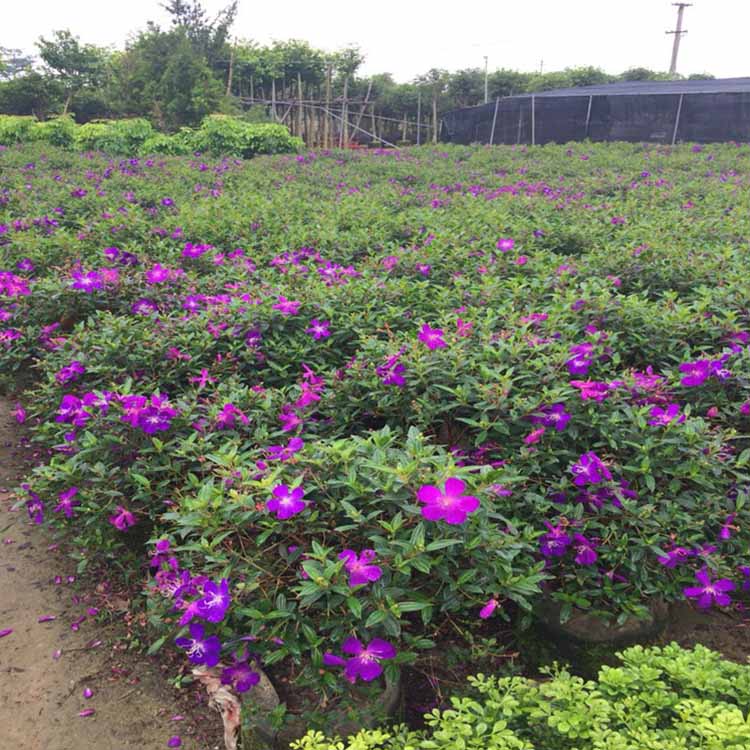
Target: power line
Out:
[678,32]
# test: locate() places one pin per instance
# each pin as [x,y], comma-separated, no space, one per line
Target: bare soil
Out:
[40,695]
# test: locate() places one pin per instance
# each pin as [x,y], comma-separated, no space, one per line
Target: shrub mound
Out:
[218,135]
[658,699]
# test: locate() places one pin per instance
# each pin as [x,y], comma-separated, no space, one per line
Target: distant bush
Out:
[222,135]
[15,129]
[666,698]
[113,136]
[218,135]
[59,131]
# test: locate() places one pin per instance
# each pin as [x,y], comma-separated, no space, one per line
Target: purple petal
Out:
[5,632]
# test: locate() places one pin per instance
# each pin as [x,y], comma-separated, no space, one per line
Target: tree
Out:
[75,65]
[30,94]
[466,87]
[207,37]
[435,79]
[13,63]
[161,77]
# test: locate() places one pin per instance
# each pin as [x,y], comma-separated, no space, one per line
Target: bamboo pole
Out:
[364,104]
[231,70]
[300,110]
[327,120]
[419,118]
[677,119]
[344,135]
[494,121]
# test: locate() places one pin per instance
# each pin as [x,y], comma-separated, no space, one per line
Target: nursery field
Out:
[350,418]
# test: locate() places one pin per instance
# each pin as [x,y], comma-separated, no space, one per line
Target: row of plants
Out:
[337,410]
[656,699]
[218,135]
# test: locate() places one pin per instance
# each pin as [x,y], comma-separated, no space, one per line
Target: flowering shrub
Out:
[328,403]
[666,698]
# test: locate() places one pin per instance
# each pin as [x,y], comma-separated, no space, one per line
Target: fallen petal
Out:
[57,654]
[87,692]
[174,741]
[5,632]
[87,712]
[46,618]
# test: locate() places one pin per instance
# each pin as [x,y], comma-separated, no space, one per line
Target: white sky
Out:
[407,37]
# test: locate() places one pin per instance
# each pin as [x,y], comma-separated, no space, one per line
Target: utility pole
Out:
[678,32]
[486,89]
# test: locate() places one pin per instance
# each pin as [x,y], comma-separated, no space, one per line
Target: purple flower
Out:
[364,661]
[35,508]
[70,372]
[359,568]
[695,373]
[581,360]
[432,338]
[286,503]
[662,417]
[86,282]
[319,329]
[391,373]
[174,741]
[451,506]
[584,549]
[67,503]
[144,306]
[123,519]
[200,650]
[675,557]
[727,528]
[555,542]
[287,306]
[157,275]
[215,602]
[551,416]
[589,469]
[226,418]
[239,675]
[710,592]
[19,414]
[25,264]
[592,389]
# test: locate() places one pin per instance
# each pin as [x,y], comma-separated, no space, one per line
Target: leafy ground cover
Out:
[338,412]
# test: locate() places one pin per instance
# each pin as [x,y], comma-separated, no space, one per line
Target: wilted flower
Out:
[123,519]
[359,567]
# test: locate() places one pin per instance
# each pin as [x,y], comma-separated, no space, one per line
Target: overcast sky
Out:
[407,37]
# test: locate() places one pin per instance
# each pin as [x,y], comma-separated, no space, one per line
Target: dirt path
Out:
[40,695]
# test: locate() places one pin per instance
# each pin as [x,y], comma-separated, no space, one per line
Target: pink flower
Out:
[489,607]
[432,337]
[504,244]
[451,506]
[534,436]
